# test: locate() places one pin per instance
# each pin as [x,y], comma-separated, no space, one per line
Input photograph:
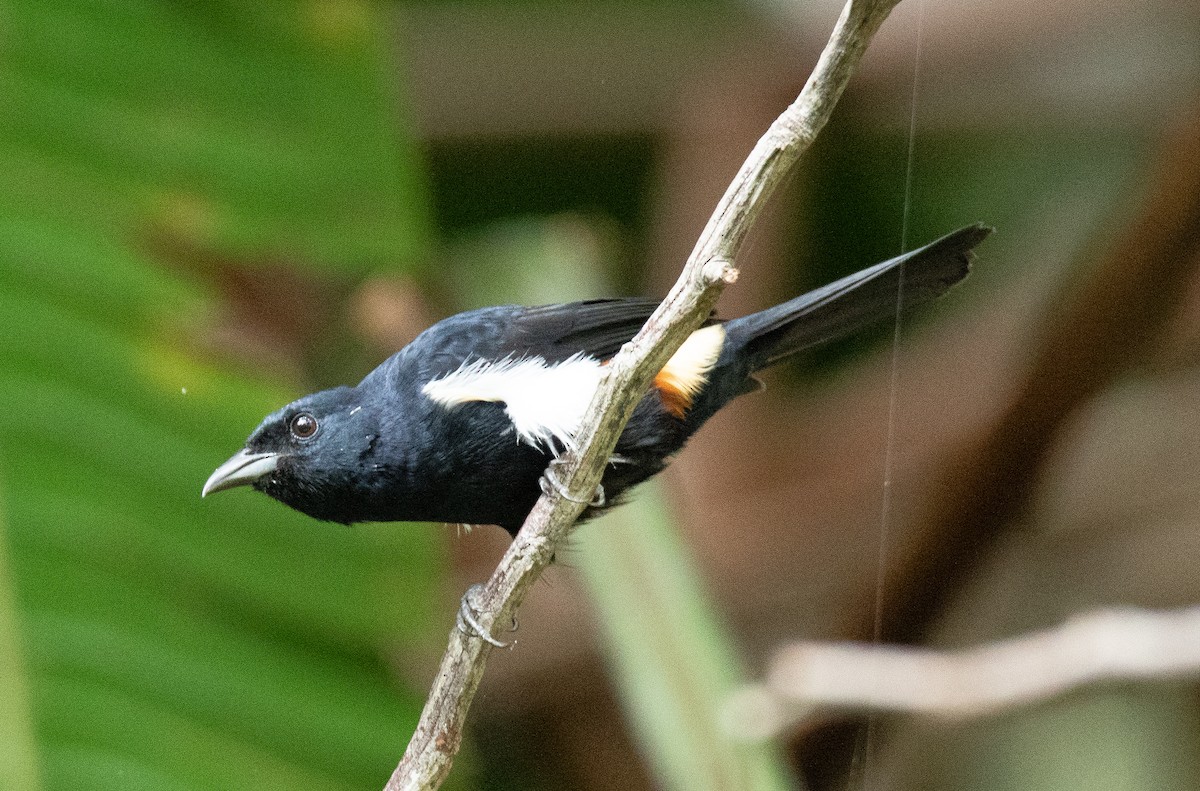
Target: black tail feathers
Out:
[837,309]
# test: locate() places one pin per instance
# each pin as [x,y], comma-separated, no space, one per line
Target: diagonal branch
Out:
[708,270]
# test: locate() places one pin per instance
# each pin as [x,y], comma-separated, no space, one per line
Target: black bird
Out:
[461,424]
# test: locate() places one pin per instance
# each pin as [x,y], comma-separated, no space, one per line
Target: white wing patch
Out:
[688,369]
[544,402]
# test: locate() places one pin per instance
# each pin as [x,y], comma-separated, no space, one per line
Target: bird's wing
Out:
[596,328]
[509,333]
[542,363]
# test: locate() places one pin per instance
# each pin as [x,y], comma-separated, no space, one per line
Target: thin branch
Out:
[709,269]
[810,678]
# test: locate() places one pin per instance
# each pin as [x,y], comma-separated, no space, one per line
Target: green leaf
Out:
[242,128]
[149,639]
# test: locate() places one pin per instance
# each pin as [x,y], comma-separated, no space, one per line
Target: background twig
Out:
[1101,645]
[709,268]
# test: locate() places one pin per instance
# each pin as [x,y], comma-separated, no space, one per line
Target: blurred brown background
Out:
[1045,417]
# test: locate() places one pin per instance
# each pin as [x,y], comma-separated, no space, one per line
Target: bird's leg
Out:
[468,624]
[549,481]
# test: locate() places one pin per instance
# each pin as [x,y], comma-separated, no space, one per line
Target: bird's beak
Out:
[243,469]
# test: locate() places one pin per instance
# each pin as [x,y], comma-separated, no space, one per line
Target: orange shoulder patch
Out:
[682,378]
[675,399]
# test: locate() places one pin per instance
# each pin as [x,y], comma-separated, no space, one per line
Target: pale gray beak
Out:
[243,469]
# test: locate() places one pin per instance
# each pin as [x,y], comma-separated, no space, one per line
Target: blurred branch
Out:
[1098,646]
[708,270]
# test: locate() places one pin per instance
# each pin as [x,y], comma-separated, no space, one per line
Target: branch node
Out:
[720,269]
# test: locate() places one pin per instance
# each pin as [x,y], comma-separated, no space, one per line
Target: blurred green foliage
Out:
[674,661]
[238,126]
[169,643]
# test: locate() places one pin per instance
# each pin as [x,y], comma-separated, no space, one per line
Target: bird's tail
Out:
[764,338]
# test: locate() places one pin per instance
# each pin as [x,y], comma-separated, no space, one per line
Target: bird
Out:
[461,425]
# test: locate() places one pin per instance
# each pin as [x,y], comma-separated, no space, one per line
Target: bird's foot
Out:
[550,482]
[468,624]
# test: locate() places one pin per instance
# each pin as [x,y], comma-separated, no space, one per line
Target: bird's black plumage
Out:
[460,425]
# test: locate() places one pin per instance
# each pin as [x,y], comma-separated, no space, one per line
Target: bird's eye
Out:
[303,426]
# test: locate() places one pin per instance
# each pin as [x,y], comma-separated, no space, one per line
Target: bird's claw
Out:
[468,624]
[550,482]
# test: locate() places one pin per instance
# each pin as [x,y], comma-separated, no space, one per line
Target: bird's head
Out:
[307,455]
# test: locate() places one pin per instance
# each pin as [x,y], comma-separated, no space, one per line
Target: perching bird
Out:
[460,425]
